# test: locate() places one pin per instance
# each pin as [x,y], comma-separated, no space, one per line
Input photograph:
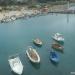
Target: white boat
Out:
[37,42]
[58,37]
[33,55]
[16,65]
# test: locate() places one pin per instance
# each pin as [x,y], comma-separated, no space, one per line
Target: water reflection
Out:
[13,73]
[54,63]
[35,65]
[67,18]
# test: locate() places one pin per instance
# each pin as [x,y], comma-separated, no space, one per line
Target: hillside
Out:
[11,2]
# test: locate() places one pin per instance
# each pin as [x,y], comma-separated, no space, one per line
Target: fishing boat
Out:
[57,46]
[58,37]
[33,55]
[16,65]
[37,42]
[54,57]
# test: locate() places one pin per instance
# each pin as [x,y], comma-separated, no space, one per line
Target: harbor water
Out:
[15,36]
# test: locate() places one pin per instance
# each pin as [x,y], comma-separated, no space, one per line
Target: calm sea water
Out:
[16,36]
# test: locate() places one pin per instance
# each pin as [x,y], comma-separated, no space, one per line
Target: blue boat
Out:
[54,57]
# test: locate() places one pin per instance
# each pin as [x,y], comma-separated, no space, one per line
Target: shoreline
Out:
[13,15]
[24,12]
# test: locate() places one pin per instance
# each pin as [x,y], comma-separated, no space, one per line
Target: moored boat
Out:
[57,47]
[54,57]
[16,65]
[58,37]
[33,55]
[37,42]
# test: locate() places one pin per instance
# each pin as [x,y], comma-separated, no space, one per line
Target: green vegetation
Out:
[16,2]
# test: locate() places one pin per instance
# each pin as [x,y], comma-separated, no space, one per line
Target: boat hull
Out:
[57,47]
[37,42]
[16,66]
[54,57]
[32,60]
[60,41]
[58,37]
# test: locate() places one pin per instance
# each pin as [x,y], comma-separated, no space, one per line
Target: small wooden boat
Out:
[33,55]
[37,42]
[57,47]
[54,57]
[16,65]
[58,37]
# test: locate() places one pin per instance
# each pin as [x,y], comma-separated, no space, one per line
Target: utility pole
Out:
[68,4]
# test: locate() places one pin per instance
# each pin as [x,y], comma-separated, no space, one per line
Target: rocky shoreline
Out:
[24,12]
[13,15]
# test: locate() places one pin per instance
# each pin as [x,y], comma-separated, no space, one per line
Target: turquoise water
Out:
[16,36]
